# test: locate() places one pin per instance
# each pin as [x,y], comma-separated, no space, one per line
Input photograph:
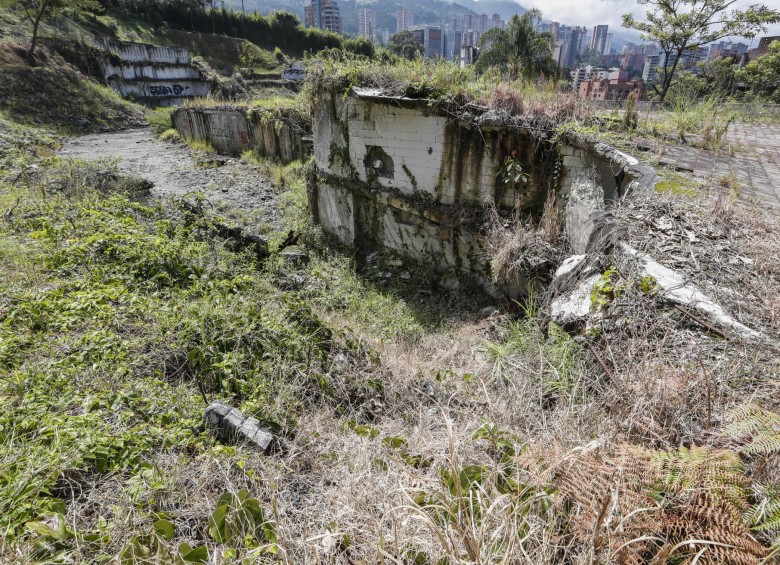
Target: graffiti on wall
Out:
[165,90]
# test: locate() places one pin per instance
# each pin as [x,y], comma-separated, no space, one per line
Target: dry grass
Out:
[523,249]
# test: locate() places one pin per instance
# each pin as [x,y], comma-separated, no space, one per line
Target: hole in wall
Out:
[378,162]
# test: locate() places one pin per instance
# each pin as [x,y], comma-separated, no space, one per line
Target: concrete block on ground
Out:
[231,426]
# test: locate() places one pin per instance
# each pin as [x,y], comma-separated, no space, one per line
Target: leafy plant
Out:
[607,288]
[156,547]
[239,520]
[511,172]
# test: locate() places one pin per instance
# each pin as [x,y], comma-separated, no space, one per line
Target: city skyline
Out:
[594,12]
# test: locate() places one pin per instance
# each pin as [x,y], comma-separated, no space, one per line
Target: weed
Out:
[63,99]
[171,135]
[200,145]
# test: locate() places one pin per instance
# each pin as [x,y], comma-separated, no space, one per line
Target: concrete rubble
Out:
[231,426]
[577,277]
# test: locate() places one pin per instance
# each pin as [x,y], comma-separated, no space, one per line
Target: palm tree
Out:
[519,48]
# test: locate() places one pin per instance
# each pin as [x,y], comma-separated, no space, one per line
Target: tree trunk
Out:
[669,75]
[36,24]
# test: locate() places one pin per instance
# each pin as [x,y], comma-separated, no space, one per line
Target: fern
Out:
[718,471]
[759,429]
[640,505]
[762,427]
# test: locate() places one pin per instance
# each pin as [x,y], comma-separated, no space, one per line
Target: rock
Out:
[488,311]
[231,426]
[297,258]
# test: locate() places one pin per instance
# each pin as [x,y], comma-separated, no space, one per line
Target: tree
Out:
[519,48]
[590,57]
[38,10]
[404,44]
[360,46]
[681,26]
[762,75]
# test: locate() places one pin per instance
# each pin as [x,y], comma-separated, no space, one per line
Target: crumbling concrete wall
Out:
[595,176]
[132,52]
[404,178]
[231,131]
[415,178]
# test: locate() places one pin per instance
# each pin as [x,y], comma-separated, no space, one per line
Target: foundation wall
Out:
[398,174]
[231,132]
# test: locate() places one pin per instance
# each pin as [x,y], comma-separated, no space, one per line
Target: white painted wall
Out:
[130,71]
[142,53]
[418,140]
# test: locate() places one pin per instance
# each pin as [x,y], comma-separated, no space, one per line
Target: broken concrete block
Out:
[568,265]
[675,289]
[574,306]
[231,426]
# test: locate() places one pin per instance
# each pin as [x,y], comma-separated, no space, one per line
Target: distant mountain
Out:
[506,8]
[425,11]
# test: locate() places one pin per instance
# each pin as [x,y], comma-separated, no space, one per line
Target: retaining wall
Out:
[157,76]
[132,52]
[231,132]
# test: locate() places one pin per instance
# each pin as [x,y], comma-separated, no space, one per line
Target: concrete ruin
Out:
[233,130]
[156,76]
[414,177]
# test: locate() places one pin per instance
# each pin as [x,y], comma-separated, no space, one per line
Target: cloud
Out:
[592,12]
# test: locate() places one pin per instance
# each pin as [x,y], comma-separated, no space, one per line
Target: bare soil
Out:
[178,171]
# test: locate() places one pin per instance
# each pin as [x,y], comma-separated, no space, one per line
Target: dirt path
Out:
[175,170]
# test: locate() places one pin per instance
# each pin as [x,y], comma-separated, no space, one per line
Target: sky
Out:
[592,12]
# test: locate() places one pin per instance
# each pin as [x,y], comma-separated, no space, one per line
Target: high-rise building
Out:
[432,40]
[312,14]
[569,41]
[496,21]
[469,22]
[633,56]
[404,19]
[726,49]
[599,39]
[650,71]
[366,23]
[323,14]
[607,45]
[483,23]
